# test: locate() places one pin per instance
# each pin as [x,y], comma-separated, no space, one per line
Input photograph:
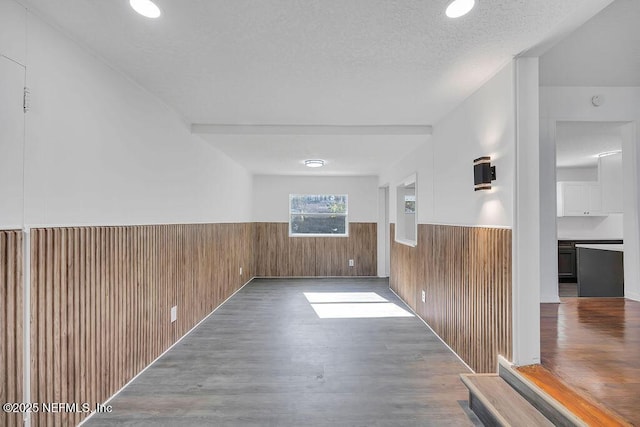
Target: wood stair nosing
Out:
[538,398]
[495,402]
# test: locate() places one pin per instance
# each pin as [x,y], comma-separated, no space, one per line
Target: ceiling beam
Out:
[201,128]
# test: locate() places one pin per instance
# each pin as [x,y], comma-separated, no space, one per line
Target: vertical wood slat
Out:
[466,275]
[101,300]
[11,331]
[278,255]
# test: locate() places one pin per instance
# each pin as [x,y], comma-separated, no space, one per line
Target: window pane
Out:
[410,204]
[319,203]
[318,214]
[318,224]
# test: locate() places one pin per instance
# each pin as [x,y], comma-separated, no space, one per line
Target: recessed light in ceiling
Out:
[458,8]
[145,8]
[314,163]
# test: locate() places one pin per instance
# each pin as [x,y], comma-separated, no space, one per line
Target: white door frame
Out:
[384,248]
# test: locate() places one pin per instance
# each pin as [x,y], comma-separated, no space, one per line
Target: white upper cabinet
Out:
[579,199]
[610,172]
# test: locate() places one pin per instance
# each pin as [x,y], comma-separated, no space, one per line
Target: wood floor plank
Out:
[280,364]
[580,405]
[593,344]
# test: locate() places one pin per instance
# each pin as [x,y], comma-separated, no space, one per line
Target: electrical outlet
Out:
[424,296]
[174,313]
[241,271]
[352,263]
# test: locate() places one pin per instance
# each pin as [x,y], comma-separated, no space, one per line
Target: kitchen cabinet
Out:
[579,199]
[568,257]
[567,261]
[600,270]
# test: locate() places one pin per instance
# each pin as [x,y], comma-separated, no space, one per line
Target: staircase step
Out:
[584,408]
[547,404]
[495,402]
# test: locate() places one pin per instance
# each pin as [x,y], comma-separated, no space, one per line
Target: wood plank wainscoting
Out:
[101,300]
[11,331]
[278,255]
[466,275]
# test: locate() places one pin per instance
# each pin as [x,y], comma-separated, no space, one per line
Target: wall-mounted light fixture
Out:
[483,173]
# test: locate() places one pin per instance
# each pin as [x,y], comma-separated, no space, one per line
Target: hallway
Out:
[282,353]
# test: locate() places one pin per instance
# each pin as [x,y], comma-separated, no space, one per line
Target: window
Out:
[318,215]
[406,222]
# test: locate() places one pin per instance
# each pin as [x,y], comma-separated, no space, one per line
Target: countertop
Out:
[603,247]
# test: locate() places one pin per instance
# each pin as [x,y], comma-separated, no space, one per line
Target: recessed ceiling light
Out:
[458,8]
[314,163]
[145,8]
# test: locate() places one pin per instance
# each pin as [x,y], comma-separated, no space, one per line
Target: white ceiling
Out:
[603,52]
[313,62]
[579,143]
[344,154]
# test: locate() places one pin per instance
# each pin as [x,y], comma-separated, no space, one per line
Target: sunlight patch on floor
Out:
[339,297]
[353,305]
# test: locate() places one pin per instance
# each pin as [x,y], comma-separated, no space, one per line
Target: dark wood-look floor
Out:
[266,359]
[593,344]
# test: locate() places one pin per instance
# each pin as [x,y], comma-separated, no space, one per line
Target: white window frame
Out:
[346,216]
[401,224]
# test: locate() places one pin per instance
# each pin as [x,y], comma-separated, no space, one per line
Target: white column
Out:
[548,213]
[631,224]
[383,207]
[26,325]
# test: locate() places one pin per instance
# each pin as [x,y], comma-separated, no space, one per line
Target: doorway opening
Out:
[590,190]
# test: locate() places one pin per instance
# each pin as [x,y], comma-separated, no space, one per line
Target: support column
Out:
[526,216]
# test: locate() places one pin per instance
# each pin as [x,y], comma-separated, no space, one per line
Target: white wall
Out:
[11,143]
[621,104]
[271,195]
[13,19]
[499,120]
[12,79]
[102,150]
[577,174]
[482,125]
[591,228]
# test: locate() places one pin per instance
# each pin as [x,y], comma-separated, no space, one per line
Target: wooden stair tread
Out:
[504,402]
[581,406]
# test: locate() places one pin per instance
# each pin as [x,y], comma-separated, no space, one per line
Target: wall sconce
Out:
[483,173]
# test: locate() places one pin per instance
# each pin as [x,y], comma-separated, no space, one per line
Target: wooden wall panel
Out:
[278,255]
[332,255]
[302,257]
[101,300]
[466,274]
[363,249]
[11,331]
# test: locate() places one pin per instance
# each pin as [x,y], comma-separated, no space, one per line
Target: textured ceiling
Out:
[313,62]
[344,154]
[603,52]
[310,62]
[579,143]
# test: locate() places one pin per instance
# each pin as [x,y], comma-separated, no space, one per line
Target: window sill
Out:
[411,243]
[318,235]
